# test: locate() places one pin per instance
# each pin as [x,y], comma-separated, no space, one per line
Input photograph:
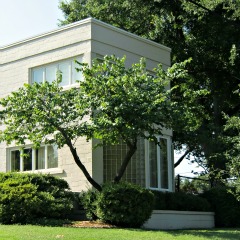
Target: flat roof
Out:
[76,24]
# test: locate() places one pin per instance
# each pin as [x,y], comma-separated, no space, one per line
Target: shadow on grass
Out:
[217,233]
[221,234]
[46,222]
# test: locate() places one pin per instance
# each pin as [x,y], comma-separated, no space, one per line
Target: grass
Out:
[28,232]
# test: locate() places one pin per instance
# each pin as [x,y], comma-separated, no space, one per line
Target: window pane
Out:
[113,156]
[52,156]
[65,71]
[27,159]
[153,166]
[164,163]
[51,73]
[37,75]
[15,160]
[76,75]
[40,158]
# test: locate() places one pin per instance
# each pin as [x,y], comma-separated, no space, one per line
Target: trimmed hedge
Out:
[180,201]
[123,204]
[25,197]
[225,206]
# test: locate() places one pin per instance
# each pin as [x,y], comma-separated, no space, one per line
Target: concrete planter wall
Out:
[168,219]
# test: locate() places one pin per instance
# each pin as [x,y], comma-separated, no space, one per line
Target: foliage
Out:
[194,186]
[206,31]
[121,204]
[89,201]
[225,206]
[124,204]
[25,197]
[129,102]
[180,201]
[44,113]
[232,129]
[113,102]
[18,201]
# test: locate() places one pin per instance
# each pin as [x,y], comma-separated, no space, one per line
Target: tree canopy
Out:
[206,31]
[112,103]
[232,129]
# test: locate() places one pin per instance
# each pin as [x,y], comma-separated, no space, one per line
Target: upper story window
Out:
[49,72]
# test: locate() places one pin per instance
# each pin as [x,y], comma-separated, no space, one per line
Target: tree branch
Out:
[74,153]
[181,158]
[200,5]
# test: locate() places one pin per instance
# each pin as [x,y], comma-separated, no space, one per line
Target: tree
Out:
[44,113]
[111,103]
[232,128]
[206,31]
[129,103]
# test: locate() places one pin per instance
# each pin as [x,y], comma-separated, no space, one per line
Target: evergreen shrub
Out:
[180,201]
[225,206]
[88,200]
[25,197]
[124,204]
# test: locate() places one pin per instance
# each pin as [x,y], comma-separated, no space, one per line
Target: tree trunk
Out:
[132,147]
[78,161]
[84,170]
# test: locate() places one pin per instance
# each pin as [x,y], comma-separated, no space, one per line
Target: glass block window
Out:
[149,167]
[112,159]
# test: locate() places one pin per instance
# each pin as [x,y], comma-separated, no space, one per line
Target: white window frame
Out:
[170,170]
[71,81]
[55,170]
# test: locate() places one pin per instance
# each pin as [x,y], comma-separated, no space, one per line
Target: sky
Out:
[21,19]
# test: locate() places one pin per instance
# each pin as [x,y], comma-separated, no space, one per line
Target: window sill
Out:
[46,171]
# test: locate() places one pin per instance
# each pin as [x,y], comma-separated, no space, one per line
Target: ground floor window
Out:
[159,167]
[113,156]
[29,159]
[151,166]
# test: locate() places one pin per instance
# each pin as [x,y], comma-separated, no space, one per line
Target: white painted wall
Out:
[169,219]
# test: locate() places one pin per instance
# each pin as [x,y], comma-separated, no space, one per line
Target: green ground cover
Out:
[28,232]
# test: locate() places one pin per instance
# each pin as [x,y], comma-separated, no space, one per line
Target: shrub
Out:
[225,206]
[89,201]
[180,201]
[25,197]
[124,204]
[17,201]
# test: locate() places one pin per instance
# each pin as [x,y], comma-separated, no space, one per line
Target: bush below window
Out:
[121,204]
[180,201]
[25,197]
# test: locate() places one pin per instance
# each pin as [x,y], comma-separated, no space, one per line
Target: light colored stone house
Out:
[38,58]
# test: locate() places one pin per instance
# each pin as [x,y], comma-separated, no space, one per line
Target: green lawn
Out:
[28,232]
